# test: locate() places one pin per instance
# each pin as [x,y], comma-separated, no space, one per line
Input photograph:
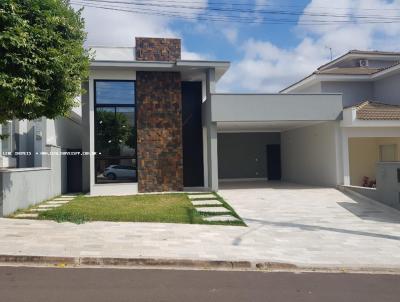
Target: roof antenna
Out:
[330,50]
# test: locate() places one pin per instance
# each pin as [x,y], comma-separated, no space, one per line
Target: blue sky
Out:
[264,57]
[204,38]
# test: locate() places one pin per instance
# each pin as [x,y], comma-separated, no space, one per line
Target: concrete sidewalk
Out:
[303,226]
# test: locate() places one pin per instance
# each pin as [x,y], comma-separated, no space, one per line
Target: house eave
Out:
[315,78]
[181,65]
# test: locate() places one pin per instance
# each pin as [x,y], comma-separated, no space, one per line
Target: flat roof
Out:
[124,57]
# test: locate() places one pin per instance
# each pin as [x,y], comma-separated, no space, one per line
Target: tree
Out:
[42,58]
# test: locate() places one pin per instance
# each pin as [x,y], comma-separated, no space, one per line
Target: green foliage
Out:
[4,136]
[42,58]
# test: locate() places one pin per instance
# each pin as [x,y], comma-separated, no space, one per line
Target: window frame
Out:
[382,146]
[109,157]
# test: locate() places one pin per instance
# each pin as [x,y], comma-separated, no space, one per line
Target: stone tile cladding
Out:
[158,49]
[159,131]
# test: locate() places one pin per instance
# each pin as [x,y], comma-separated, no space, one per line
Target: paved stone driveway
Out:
[286,223]
[315,225]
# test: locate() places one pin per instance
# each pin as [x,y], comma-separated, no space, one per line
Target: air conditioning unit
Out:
[363,63]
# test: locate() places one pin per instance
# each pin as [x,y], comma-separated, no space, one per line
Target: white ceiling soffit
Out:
[273,126]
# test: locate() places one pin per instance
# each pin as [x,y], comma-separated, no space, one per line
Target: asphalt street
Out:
[98,284]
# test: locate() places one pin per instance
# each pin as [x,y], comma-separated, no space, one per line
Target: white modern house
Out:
[152,122]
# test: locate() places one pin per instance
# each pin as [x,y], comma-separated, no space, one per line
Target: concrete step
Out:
[222,218]
[209,202]
[27,215]
[63,199]
[201,196]
[39,210]
[212,210]
[42,206]
[58,202]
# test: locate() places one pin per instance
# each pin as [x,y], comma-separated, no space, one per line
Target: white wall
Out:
[314,88]
[310,155]
[226,107]
[353,92]
[387,90]
[64,132]
[21,188]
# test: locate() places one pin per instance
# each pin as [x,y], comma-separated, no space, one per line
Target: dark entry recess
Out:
[192,135]
[74,171]
[274,162]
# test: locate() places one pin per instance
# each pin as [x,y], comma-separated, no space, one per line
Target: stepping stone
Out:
[200,196]
[27,215]
[42,206]
[62,199]
[38,210]
[221,218]
[68,196]
[210,202]
[213,210]
[58,202]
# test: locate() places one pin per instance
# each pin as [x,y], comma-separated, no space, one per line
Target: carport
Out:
[288,137]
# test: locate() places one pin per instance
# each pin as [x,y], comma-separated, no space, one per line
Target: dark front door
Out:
[192,135]
[274,162]
[74,171]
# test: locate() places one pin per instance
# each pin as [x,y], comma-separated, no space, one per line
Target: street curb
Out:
[124,262]
[108,262]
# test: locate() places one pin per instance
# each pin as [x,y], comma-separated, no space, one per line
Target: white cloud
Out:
[268,68]
[118,28]
[231,34]
[189,55]
[114,28]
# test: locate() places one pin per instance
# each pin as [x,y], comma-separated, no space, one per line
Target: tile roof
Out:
[374,52]
[361,53]
[369,110]
[360,71]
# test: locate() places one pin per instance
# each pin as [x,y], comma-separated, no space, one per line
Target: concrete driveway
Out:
[316,225]
[305,226]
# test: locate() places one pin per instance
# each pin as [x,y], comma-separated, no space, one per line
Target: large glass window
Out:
[115,132]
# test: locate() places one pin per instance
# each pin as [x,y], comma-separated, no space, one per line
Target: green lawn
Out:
[174,208]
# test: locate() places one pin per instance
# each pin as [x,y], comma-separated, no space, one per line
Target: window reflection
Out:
[115,141]
[116,170]
[115,92]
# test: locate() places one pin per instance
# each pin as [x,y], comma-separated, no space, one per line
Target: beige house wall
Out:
[364,154]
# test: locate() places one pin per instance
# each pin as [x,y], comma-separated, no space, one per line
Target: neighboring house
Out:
[153,122]
[370,129]
[32,168]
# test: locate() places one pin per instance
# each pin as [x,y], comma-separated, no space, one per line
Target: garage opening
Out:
[297,152]
[250,155]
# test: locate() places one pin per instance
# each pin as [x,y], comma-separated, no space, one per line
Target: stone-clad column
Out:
[159,131]
[159,118]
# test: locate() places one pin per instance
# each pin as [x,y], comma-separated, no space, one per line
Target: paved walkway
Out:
[56,202]
[286,223]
